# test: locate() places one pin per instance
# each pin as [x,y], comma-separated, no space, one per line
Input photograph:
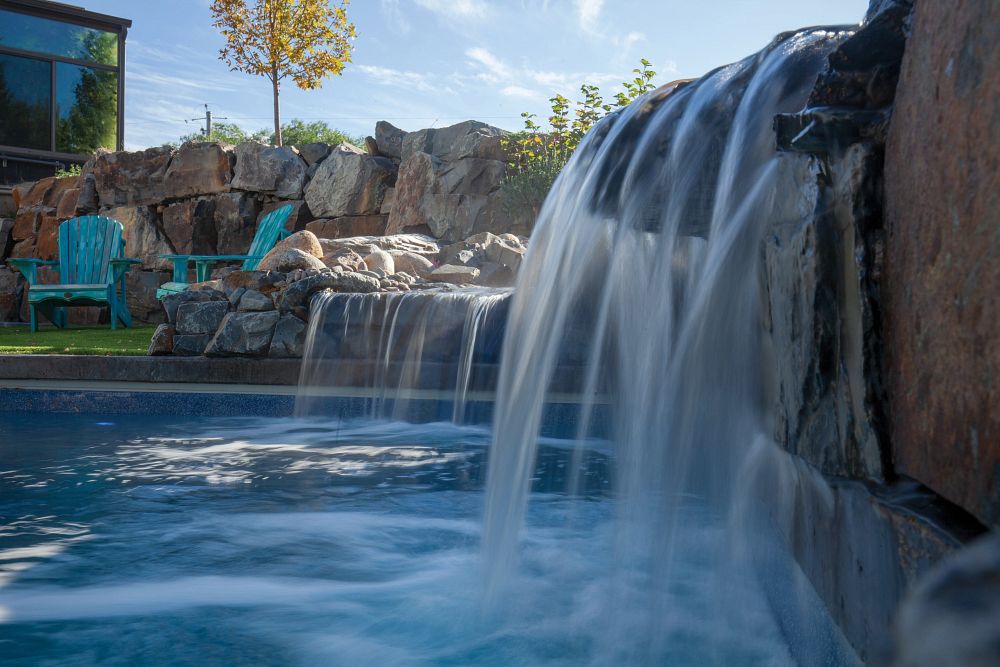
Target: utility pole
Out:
[208,122]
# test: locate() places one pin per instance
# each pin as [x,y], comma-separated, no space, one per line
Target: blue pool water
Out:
[158,541]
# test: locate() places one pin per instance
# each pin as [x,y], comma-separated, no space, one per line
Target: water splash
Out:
[644,265]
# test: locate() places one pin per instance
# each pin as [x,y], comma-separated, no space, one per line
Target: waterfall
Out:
[645,262]
[386,348]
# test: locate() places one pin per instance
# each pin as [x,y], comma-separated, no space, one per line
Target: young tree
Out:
[305,40]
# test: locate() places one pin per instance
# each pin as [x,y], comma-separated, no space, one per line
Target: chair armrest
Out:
[121,265]
[28,266]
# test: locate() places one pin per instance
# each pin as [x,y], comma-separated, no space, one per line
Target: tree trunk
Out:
[277,111]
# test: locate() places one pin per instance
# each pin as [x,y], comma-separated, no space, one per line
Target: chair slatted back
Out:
[270,230]
[86,247]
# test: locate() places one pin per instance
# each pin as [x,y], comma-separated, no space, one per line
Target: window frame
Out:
[73,16]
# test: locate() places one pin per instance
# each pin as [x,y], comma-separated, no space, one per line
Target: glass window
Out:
[86,109]
[32,33]
[25,102]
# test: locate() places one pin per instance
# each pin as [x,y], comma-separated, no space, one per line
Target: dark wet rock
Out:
[190,346]
[952,618]
[829,129]
[162,341]
[243,334]
[289,338]
[200,318]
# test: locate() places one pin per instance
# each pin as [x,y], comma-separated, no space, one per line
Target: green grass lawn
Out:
[99,340]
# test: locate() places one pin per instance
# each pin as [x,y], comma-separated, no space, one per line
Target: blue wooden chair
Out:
[92,269]
[270,230]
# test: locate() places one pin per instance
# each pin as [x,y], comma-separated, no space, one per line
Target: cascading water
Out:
[400,345]
[647,254]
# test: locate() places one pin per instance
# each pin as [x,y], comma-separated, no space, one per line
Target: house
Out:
[62,87]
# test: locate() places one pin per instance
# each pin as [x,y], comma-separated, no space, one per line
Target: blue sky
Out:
[426,63]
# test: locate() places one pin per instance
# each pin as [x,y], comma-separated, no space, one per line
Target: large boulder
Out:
[389,139]
[942,211]
[412,263]
[301,250]
[162,341]
[314,153]
[144,239]
[416,243]
[131,179]
[277,171]
[296,298]
[235,222]
[349,182]
[140,294]
[497,258]
[197,318]
[469,139]
[198,169]
[453,200]
[190,226]
[243,334]
[285,260]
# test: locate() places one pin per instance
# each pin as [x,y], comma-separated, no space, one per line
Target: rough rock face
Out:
[942,185]
[412,263]
[455,274]
[235,222]
[349,182]
[276,171]
[243,334]
[11,292]
[131,179]
[354,225]
[144,239]
[389,139]
[469,139]
[196,318]
[314,153]
[454,200]
[162,341]
[197,169]
[190,226]
[140,295]
[289,338]
[497,258]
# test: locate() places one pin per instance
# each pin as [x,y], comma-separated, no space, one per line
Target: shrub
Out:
[536,157]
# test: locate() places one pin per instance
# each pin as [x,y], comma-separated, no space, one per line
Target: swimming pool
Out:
[166,541]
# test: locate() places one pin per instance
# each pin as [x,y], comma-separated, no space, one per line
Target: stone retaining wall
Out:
[207,198]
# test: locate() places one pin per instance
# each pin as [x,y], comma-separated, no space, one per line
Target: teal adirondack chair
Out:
[92,269]
[270,230]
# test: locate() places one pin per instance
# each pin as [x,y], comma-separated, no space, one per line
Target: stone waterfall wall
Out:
[885,367]
[207,198]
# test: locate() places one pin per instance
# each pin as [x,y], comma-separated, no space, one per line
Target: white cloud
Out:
[588,13]
[466,9]
[387,76]
[496,70]
[521,93]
